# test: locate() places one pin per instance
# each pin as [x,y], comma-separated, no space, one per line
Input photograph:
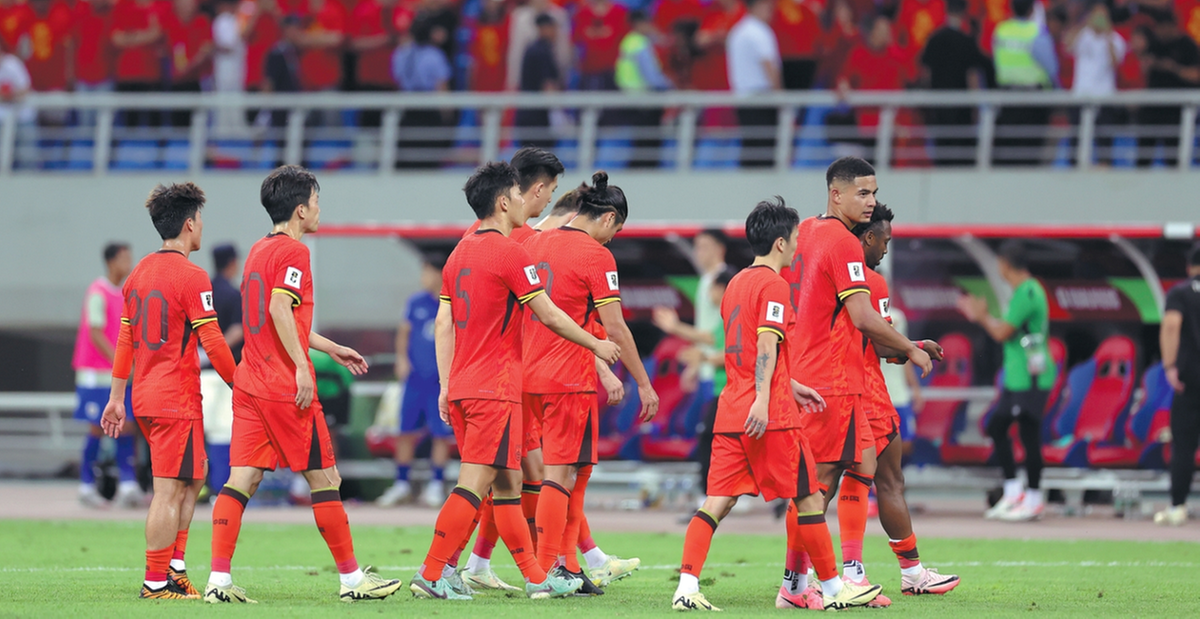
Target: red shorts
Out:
[176,447]
[841,432]
[531,425]
[778,465]
[488,432]
[885,426]
[569,426]
[267,434]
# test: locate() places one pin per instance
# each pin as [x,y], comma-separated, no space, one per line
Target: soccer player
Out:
[487,282]
[832,301]
[560,377]
[167,299]
[416,366]
[538,170]
[758,447]
[885,430]
[277,418]
[95,345]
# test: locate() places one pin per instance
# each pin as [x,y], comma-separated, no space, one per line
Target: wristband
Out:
[921,345]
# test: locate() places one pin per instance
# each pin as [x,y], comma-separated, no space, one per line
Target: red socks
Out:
[586,542]
[157,562]
[334,526]
[485,541]
[697,542]
[515,533]
[809,532]
[852,514]
[906,551]
[551,522]
[180,545]
[530,492]
[453,562]
[575,520]
[453,524]
[227,524]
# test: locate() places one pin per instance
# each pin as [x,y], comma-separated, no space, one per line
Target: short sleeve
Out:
[197,300]
[773,309]
[847,268]
[520,275]
[1176,301]
[97,314]
[880,296]
[1119,46]
[447,288]
[603,282]
[1020,308]
[291,273]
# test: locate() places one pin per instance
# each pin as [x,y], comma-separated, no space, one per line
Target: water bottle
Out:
[1035,352]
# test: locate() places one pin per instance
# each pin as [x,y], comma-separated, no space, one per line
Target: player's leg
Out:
[1185,432]
[88,494]
[162,525]
[852,514]
[1029,428]
[552,512]
[997,428]
[178,568]
[696,543]
[414,418]
[533,472]
[575,519]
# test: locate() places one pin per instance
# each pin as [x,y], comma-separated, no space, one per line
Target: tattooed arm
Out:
[764,369]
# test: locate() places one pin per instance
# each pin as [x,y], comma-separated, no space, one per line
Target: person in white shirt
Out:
[754,66]
[229,64]
[14,85]
[1098,52]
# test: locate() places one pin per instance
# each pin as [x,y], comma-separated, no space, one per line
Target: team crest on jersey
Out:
[532,275]
[885,305]
[611,276]
[856,272]
[774,312]
[293,277]
[206,301]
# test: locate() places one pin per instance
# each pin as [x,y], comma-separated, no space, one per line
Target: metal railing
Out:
[99,132]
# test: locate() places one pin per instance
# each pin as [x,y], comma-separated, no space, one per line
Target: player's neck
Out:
[181,245]
[291,227]
[113,278]
[831,212]
[771,261]
[497,222]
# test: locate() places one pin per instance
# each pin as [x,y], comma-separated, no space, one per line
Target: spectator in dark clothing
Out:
[227,298]
[441,14]
[539,73]
[1175,63]
[421,66]
[952,60]
[282,69]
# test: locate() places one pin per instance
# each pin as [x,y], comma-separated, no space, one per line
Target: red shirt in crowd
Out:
[989,14]
[489,49]
[139,63]
[49,39]
[14,20]
[185,41]
[709,72]
[599,27]
[797,28]
[93,43]
[916,21]
[263,33]
[1188,12]
[668,12]
[321,67]
[369,19]
[871,69]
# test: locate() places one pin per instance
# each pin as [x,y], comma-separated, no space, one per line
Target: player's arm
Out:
[668,321]
[614,321]
[561,324]
[97,321]
[403,367]
[345,356]
[867,320]
[218,351]
[765,360]
[280,307]
[975,309]
[612,385]
[443,341]
[113,418]
[1168,342]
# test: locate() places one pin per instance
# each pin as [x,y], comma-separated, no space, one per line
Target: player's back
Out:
[487,280]
[756,301]
[580,276]
[166,299]
[827,268]
[422,350]
[276,264]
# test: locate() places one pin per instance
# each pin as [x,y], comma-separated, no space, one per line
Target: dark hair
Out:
[1193,259]
[534,164]
[1022,8]
[544,19]
[770,220]
[285,188]
[750,3]
[847,169]
[436,260]
[1013,252]
[114,249]
[223,256]
[725,276]
[638,16]
[490,181]
[291,19]
[422,30]
[171,205]
[569,202]
[715,234]
[956,7]
[603,198]
[881,214]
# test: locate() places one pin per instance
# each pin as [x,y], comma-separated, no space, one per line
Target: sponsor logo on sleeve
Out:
[857,274]
[885,306]
[293,277]
[774,312]
[206,300]
[531,274]
[611,276]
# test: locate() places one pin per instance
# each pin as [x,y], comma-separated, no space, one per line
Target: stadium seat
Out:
[935,423]
[660,440]
[1104,407]
[1142,446]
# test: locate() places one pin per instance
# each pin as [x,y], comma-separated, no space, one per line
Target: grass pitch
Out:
[94,569]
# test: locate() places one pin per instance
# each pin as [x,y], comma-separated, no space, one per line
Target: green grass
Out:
[92,569]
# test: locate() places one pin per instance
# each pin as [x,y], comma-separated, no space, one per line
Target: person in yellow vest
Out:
[1025,59]
[637,71]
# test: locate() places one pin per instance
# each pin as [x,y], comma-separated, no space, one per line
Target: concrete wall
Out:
[54,225]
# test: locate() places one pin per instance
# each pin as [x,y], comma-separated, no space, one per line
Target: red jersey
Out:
[48,38]
[487,281]
[14,21]
[870,69]
[755,302]
[184,42]
[277,264]
[797,28]
[668,12]
[827,268]
[264,33]
[580,276]
[371,19]
[600,36]
[93,43]
[877,399]
[917,21]
[166,299]
[1188,12]
[520,235]
[489,50]
[989,13]
[709,72]
[321,68]
[139,63]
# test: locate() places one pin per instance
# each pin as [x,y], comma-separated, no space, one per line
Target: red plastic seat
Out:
[935,422]
[1103,407]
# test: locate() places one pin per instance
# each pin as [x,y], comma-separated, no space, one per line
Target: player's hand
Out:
[649,399]
[350,358]
[921,358]
[403,368]
[665,319]
[113,419]
[444,405]
[973,307]
[304,387]
[807,397]
[613,387]
[608,351]
[1172,378]
[934,349]
[756,421]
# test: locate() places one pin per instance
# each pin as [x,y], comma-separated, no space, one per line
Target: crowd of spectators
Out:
[748,46]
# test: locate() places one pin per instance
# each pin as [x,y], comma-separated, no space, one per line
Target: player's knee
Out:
[811,503]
